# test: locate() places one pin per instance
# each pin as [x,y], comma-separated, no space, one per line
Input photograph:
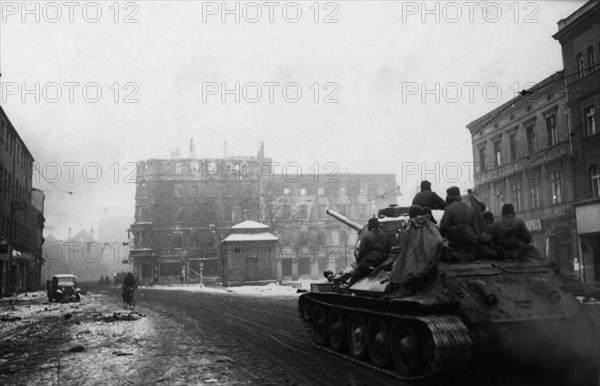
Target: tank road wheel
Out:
[335,329]
[378,341]
[357,336]
[306,312]
[405,349]
[319,325]
[428,351]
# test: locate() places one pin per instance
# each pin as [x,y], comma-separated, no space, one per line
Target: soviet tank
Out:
[527,309]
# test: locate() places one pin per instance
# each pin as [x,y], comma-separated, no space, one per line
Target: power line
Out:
[571,134]
[51,183]
[524,93]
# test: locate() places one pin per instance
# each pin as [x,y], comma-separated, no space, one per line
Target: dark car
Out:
[63,288]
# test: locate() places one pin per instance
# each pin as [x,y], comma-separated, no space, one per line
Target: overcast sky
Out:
[372,59]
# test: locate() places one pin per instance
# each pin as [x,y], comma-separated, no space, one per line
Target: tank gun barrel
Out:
[354,225]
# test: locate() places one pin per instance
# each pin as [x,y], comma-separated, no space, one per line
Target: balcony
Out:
[141,253]
[141,226]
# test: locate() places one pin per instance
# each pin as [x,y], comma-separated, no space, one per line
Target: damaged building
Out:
[186,207]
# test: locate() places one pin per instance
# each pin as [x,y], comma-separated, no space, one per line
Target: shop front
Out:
[588,232]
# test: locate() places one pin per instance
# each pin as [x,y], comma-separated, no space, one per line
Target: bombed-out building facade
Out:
[187,208]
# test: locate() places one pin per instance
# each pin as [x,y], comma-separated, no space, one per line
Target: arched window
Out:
[143,188]
[581,65]
[179,215]
[178,168]
[591,59]
[595,179]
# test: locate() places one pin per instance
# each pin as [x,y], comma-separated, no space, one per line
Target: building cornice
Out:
[578,21]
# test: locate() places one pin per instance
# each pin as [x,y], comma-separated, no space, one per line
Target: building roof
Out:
[20,140]
[81,236]
[249,224]
[65,276]
[265,236]
[582,18]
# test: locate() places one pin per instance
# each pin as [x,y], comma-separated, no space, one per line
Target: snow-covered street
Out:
[82,343]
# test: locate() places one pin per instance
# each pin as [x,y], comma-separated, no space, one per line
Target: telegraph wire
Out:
[51,183]
[564,139]
[525,93]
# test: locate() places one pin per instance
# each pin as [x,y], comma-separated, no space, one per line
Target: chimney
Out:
[91,231]
[225,149]
[69,234]
[261,155]
[192,148]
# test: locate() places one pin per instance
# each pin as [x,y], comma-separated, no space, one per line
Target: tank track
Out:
[449,334]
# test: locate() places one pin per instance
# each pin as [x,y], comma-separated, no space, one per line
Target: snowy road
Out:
[269,346]
[192,337]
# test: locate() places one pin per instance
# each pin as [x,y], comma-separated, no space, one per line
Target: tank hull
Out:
[479,309]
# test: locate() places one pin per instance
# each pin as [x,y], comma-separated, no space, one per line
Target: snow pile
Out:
[271,289]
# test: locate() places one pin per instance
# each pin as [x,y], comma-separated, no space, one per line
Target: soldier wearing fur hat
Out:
[372,249]
[511,234]
[458,225]
[427,198]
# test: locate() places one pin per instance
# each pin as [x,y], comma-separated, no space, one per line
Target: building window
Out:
[551,130]
[195,190]
[497,154]
[512,146]
[516,195]
[531,147]
[343,209]
[145,215]
[321,191]
[303,192]
[321,212]
[286,191]
[2,129]
[482,159]
[143,189]
[364,211]
[179,215]
[178,190]
[595,178]
[580,65]
[591,59]
[303,212]
[228,213]
[343,238]
[179,168]
[590,120]
[499,189]
[342,191]
[555,187]
[178,241]
[286,212]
